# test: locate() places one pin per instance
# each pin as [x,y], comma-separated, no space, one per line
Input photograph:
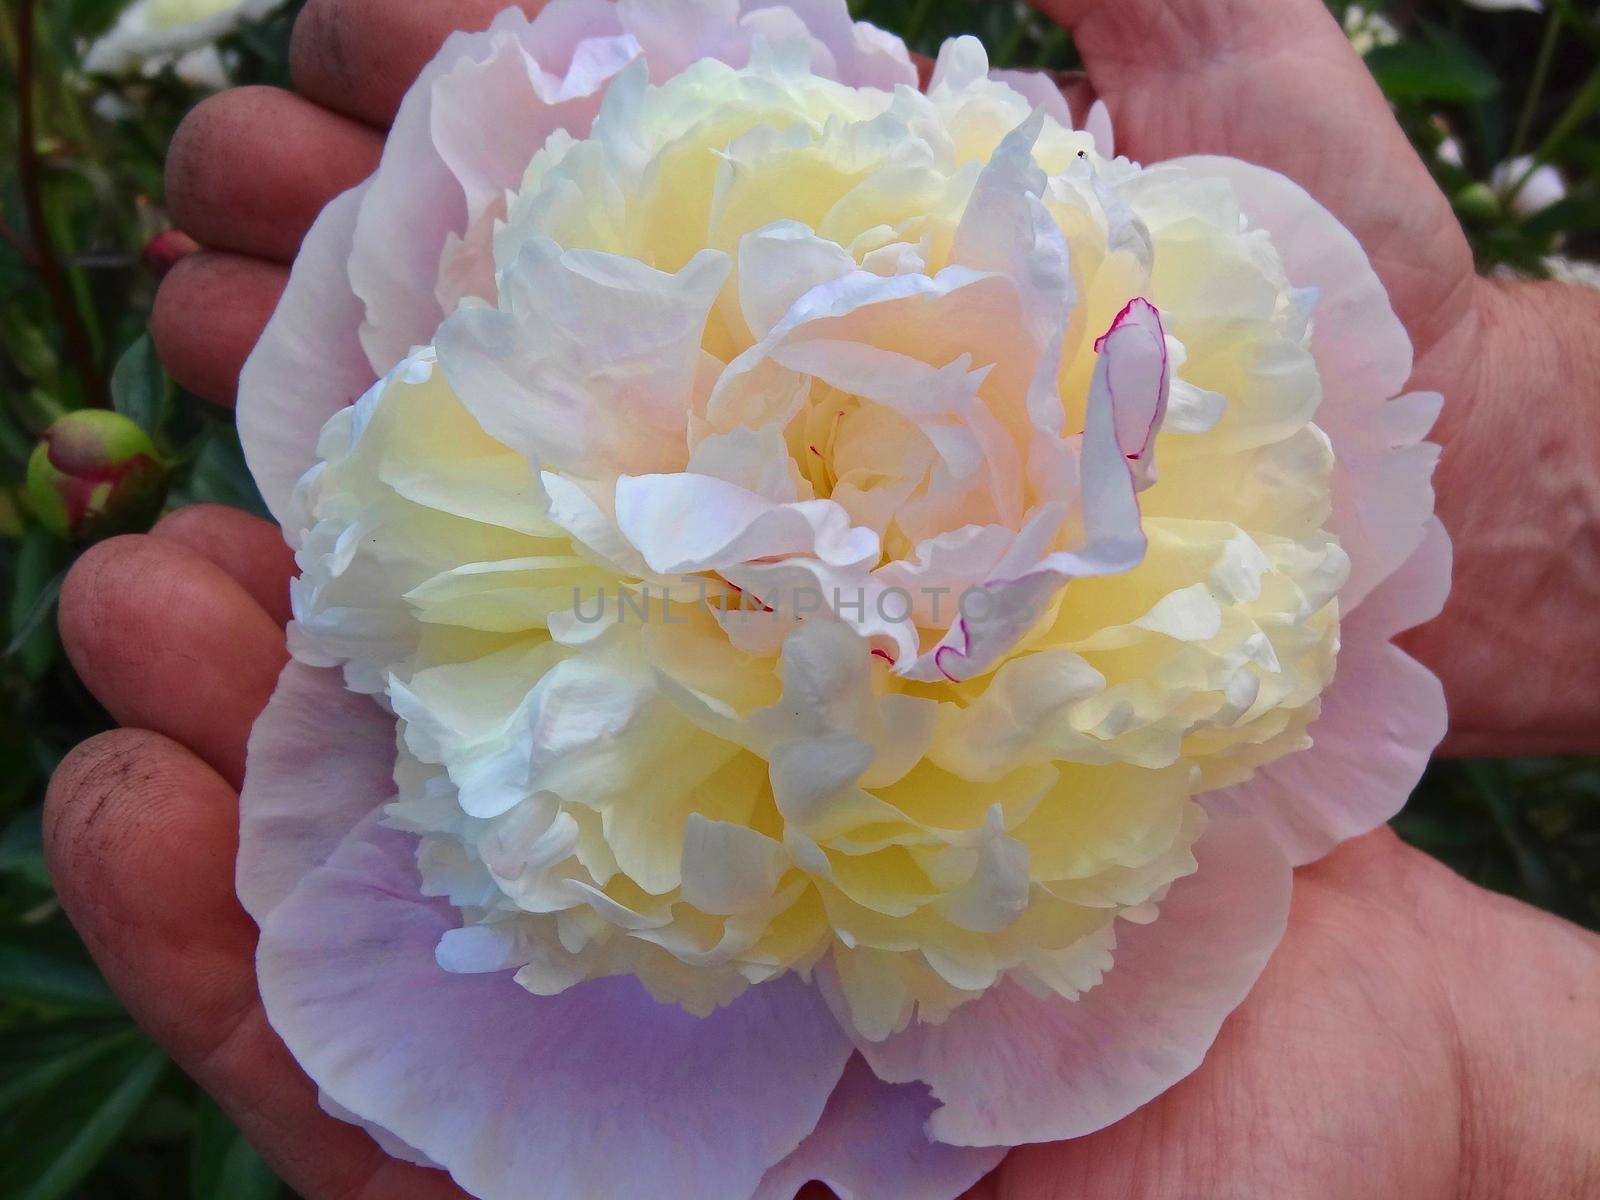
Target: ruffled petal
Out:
[1381,718]
[320,759]
[1383,498]
[1013,1068]
[871,1144]
[434,182]
[589,363]
[863,55]
[683,522]
[502,1087]
[308,363]
[1039,90]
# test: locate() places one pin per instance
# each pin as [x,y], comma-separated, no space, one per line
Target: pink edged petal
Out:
[1137,380]
[308,363]
[599,1091]
[1012,1068]
[320,759]
[1381,718]
[871,1144]
[1383,496]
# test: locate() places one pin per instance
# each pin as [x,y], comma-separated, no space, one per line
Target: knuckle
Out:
[192,520]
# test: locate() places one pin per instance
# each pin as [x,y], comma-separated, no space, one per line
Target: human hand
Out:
[1412,1036]
[179,634]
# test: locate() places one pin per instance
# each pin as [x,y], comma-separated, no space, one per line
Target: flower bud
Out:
[1477,202]
[93,474]
[167,249]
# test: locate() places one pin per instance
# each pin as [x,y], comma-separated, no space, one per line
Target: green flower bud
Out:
[95,473]
[1477,202]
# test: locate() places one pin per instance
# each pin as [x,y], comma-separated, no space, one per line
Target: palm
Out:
[180,634]
[1348,1037]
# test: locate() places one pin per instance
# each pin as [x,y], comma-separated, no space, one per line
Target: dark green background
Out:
[88,1107]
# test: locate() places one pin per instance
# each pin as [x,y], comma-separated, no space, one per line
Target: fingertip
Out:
[168,641]
[358,57]
[208,316]
[139,839]
[249,169]
[250,550]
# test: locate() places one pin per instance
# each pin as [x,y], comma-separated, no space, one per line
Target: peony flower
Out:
[1537,187]
[829,620]
[152,35]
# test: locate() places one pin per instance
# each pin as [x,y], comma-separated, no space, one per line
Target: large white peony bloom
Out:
[825,567]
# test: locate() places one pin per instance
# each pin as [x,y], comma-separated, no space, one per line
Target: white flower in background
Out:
[1506,5]
[1368,29]
[152,35]
[1542,187]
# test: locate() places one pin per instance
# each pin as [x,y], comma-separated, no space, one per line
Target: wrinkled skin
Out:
[1413,1035]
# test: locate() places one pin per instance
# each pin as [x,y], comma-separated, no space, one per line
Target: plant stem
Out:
[1582,107]
[30,177]
[919,19]
[1541,74]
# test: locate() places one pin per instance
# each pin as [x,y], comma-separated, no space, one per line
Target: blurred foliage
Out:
[88,1107]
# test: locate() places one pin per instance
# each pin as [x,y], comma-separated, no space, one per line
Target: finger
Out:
[167,641]
[208,316]
[140,836]
[358,57]
[251,551]
[250,169]
[1279,85]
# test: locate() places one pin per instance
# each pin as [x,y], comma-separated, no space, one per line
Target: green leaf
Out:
[139,387]
[39,1057]
[61,1137]
[35,613]
[1435,67]
[34,592]
[219,475]
[35,976]
[22,850]
[222,1163]
[1579,110]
